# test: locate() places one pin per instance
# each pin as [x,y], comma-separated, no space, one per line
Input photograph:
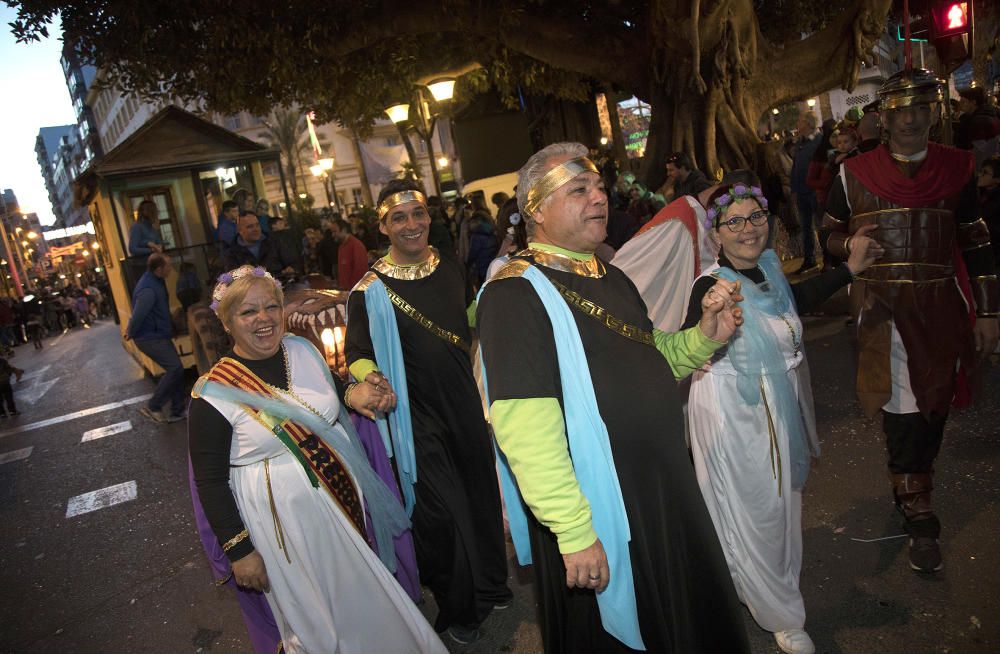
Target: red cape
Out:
[943,174]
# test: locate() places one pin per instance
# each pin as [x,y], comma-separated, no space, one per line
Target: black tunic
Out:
[457,519]
[684,592]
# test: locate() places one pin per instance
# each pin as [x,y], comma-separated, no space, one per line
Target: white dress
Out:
[759,527]
[335,595]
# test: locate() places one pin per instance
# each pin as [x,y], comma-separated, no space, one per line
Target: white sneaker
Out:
[794,641]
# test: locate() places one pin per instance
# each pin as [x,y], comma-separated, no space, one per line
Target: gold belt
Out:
[411,311]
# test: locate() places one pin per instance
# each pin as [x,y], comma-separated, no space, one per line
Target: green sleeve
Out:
[686,350]
[532,434]
[470,312]
[362,368]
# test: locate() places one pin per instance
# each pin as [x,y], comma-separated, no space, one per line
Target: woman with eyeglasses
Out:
[750,411]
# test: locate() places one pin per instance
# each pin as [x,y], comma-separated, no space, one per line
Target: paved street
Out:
[123,571]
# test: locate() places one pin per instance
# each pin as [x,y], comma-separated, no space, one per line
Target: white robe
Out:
[335,595]
[760,530]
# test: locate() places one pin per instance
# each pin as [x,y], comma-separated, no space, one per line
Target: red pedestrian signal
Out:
[951,18]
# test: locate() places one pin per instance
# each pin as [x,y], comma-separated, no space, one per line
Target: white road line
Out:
[101,432]
[100,499]
[15,455]
[34,373]
[76,414]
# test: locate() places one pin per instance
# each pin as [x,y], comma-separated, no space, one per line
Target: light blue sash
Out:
[398,440]
[590,450]
[756,353]
[387,516]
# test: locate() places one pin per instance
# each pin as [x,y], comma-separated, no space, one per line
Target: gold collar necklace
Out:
[410,272]
[592,268]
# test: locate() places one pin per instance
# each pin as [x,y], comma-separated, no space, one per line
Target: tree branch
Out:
[827,59]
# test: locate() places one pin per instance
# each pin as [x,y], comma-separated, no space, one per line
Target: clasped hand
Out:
[719,314]
[374,395]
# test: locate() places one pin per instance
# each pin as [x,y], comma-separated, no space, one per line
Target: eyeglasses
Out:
[738,223]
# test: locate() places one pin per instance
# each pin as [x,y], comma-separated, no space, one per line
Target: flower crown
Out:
[226,279]
[736,192]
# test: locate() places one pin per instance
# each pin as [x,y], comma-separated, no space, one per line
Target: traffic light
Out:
[950,19]
[952,32]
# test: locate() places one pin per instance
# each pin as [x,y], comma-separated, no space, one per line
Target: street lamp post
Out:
[323,170]
[441,91]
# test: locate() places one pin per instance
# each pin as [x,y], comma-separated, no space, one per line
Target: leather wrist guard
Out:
[836,242]
[986,295]
[971,236]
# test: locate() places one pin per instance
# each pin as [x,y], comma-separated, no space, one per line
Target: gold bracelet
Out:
[347,395]
[235,540]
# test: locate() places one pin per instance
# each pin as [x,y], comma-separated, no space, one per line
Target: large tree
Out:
[708,67]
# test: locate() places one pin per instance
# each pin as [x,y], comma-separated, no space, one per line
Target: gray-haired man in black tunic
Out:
[584,406]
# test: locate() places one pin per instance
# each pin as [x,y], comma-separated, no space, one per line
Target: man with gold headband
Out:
[585,408]
[408,330]
[914,325]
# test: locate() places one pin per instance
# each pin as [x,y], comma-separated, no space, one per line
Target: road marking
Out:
[35,392]
[101,432]
[76,414]
[15,455]
[34,373]
[100,499]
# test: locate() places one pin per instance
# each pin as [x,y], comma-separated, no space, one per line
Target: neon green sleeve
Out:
[362,368]
[532,434]
[470,312]
[686,350]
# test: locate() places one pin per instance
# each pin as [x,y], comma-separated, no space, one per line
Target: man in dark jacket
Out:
[979,121]
[687,180]
[150,329]
[254,249]
[809,138]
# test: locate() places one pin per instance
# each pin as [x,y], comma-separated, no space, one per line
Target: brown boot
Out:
[912,492]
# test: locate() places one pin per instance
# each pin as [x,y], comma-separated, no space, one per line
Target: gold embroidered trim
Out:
[411,312]
[235,540]
[409,273]
[601,315]
[592,268]
[514,268]
[365,282]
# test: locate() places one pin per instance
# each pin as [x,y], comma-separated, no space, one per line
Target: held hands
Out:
[863,250]
[719,314]
[588,568]
[251,573]
[373,395]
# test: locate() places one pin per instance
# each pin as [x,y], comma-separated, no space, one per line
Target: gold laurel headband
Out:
[397,199]
[554,179]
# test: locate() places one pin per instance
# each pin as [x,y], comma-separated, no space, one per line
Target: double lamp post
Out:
[422,119]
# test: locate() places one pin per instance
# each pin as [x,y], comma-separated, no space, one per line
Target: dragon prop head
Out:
[309,311]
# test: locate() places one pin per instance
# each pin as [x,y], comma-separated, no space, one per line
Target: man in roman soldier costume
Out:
[914,326]
[408,331]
